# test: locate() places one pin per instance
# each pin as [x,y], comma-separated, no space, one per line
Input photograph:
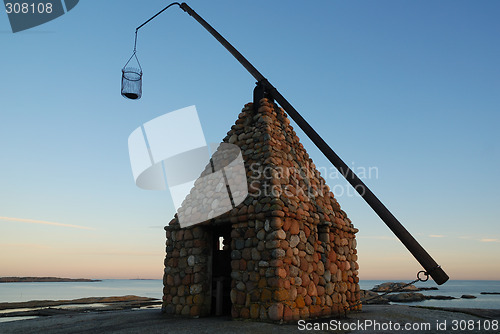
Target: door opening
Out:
[221,270]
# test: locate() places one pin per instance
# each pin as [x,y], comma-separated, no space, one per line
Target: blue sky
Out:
[409,88]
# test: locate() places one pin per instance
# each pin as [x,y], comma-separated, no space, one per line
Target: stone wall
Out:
[186,277]
[293,250]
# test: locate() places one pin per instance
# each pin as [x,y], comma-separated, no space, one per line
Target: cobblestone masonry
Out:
[293,250]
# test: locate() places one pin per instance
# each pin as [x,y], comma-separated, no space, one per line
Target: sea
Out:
[27,291]
[20,292]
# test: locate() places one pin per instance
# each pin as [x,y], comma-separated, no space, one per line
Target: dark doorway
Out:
[221,270]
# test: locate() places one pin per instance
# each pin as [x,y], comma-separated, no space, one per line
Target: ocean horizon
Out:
[153,288]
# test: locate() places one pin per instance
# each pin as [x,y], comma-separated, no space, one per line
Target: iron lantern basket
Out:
[132,83]
[132,77]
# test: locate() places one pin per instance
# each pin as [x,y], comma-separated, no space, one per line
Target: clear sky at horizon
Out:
[408,89]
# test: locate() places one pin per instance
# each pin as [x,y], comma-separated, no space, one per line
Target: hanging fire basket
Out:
[131,83]
[132,77]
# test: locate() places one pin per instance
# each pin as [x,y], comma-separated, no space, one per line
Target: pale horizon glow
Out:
[490,240]
[43,222]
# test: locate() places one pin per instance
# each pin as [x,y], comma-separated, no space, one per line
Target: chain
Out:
[399,289]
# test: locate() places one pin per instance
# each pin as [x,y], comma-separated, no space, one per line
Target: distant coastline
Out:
[44,279]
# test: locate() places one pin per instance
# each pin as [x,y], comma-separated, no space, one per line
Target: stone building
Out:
[287,252]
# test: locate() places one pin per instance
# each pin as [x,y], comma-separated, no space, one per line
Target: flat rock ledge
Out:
[55,307]
[370,297]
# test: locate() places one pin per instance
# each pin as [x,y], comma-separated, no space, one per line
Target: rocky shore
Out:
[132,314]
[402,293]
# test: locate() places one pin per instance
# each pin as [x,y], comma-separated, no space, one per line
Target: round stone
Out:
[294,241]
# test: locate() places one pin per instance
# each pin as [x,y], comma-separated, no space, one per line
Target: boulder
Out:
[370,297]
[468,297]
[406,297]
[392,286]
